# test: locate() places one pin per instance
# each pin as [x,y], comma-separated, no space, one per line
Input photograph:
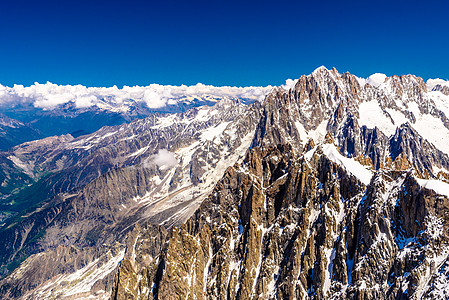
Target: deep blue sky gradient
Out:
[102,43]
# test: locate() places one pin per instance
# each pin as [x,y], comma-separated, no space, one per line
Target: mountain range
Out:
[329,187]
[43,110]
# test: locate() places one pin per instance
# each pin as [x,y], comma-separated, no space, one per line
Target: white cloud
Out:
[376,79]
[85,101]
[164,159]
[289,83]
[431,83]
[154,99]
[49,95]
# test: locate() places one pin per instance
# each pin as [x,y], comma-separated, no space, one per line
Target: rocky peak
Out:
[328,139]
[325,87]
[441,88]
[337,101]
[401,163]
[320,69]
[309,146]
[275,95]
[418,150]
[406,88]
[321,93]
[443,176]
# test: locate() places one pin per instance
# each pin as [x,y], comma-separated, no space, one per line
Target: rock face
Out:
[288,227]
[408,142]
[331,189]
[91,276]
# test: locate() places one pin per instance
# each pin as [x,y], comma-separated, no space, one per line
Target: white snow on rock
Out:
[309,154]
[81,281]
[428,126]
[352,166]
[316,134]
[441,101]
[433,129]
[438,186]
[26,167]
[440,286]
[349,164]
[372,115]
[211,133]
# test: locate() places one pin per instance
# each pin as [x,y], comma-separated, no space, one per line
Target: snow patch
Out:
[350,165]
[139,152]
[372,115]
[319,133]
[438,186]
[433,129]
[213,132]
[80,281]
[434,226]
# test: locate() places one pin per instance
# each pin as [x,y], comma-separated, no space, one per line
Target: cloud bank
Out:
[376,79]
[49,95]
[164,159]
[289,83]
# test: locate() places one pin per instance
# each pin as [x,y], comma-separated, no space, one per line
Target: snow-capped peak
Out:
[320,69]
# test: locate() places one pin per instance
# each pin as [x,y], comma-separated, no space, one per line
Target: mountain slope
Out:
[281,226]
[299,216]
[146,183]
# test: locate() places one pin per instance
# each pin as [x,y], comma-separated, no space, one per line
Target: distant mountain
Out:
[50,109]
[332,187]
[13,132]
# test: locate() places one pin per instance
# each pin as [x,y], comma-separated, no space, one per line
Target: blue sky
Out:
[102,43]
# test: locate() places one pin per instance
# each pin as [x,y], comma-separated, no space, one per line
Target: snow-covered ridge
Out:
[365,175]
[50,95]
[349,164]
